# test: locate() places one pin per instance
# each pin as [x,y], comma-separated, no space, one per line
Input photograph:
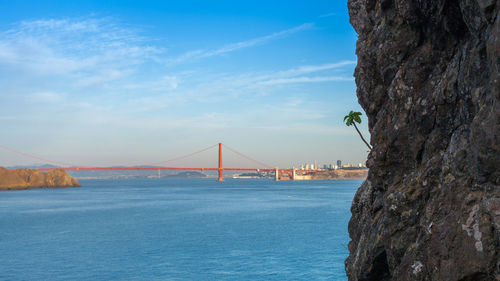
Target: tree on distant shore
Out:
[351,119]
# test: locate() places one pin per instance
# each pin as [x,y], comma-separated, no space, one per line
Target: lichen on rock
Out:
[428,78]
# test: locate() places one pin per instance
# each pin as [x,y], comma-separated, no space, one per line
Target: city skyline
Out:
[137,82]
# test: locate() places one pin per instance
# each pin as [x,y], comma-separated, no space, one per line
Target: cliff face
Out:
[28,178]
[428,79]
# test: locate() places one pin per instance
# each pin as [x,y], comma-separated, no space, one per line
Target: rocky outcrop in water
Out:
[28,179]
[428,79]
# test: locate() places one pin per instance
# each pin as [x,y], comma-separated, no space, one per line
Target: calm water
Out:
[177,229]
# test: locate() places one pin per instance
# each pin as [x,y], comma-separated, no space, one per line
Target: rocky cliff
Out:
[428,79]
[28,178]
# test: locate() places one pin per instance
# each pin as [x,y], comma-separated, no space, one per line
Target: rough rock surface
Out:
[28,178]
[428,79]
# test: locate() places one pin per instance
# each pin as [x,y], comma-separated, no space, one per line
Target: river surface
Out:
[177,229]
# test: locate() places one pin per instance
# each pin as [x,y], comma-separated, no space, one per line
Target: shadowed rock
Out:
[428,79]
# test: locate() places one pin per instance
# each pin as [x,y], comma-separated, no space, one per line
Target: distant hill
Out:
[188,174]
[33,166]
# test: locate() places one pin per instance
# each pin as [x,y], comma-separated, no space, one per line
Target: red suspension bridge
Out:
[278,173]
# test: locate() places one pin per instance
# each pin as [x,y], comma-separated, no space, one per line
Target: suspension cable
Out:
[151,164]
[181,157]
[41,158]
[247,157]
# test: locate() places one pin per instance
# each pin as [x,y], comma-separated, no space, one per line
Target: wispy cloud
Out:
[256,41]
[164,83]
[315,68]
[327,15]
[81,48]
[46,97]
[262,82]
[198,54]
[102,54]
[306,80]
[101,77]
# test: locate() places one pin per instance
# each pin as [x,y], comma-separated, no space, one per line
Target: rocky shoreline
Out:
[22,179]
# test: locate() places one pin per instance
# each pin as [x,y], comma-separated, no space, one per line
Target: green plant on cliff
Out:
[351,119]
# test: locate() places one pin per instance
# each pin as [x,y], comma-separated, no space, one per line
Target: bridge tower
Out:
[220,163]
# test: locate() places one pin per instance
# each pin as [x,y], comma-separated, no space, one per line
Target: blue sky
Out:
[133,82]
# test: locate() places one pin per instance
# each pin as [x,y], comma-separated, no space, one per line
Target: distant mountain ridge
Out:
[188,174]
[34,166]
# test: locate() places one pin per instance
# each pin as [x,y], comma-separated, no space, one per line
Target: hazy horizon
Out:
[142,82]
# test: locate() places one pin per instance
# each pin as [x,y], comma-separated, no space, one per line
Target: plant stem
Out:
[361,136]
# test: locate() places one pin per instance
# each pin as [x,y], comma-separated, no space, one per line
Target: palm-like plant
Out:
[351,119]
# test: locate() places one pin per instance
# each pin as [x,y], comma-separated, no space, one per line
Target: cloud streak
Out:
[199,54]
[257,41]
[306,80]
[327,15]
[315,68]
[93,50]
[265,81]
